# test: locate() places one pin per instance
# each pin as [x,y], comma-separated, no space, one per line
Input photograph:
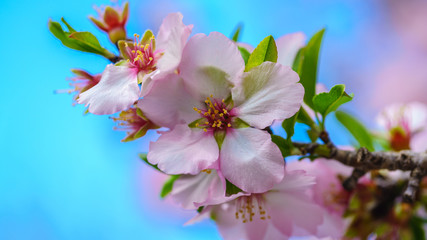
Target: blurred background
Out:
[64,175]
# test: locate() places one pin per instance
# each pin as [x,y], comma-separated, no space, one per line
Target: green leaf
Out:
[68,26]
[231,189]
[236,35]
[303,117]
[307,68]
[284,145]
[245,54]
[313,134]
[296,66]
[168,186]
[82,41]
[327,102]
[143,157]
[416,225]
[357,130]
[265,51]
[289,126]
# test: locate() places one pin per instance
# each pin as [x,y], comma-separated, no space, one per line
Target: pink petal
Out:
[229,227]
[249,160]
[295,181]
[168,103]
[171,39]
[268,92]
[210,65]
[183,151]
[288,46]
[116,91]
[287,208]
[192,191]
[256,229]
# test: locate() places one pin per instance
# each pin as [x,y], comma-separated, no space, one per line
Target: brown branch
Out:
[364,161]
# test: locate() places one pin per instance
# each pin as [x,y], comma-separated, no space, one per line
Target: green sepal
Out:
[219,137]
[327,102]
[356,129]
[168,186]
[239,123]
[147,37]
[231,189]
[200,209]
[245,54]
[82,41]
[306,64]
[236,34]
[265,51]
[143,157]
[284,145]
[122,48]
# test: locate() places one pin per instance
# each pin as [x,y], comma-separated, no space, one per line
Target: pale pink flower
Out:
[327,193]
[275,214]
[118,88]
[82,82]
[405,125]
[209,106]
[203,189]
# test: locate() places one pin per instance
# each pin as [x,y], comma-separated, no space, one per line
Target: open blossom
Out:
[209,107]
[82,82]
[406,125]
[327,193]
[118,88]
[275,214]
[134,122]
[112,20]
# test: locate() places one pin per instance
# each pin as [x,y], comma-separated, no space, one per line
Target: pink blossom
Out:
[405,125]
[134,122]
[118,88]
[209,106]
[82,82]
[275,214]
[112,20]
[327,193]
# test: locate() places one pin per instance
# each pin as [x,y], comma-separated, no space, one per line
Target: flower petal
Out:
[210,65]
[168,103]
[288,46]
[288,208]
[268,92]
[183,151]
[192,191]
[171,40]
[250,160]
[116,91]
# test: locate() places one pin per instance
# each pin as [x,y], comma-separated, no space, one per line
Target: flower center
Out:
[217,115]
[143,56]
[249,206]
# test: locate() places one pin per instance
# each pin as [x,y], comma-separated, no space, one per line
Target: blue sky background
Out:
[67,176]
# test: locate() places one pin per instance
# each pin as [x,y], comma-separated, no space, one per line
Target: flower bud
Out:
[112,20]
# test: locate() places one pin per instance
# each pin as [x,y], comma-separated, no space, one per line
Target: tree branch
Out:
[364,161]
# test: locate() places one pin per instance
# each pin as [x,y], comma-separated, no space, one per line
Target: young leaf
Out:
[82,41]
[245,54]
[284,145]
[168,186]
[265,51]
[303,117]
[327,102]
[289,125]
[307,68]
[231,189]
[236,35]
[357,130]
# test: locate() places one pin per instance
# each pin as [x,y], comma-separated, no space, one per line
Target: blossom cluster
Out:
[215,100]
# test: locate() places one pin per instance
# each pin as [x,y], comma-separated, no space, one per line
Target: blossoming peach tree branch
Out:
[219,102]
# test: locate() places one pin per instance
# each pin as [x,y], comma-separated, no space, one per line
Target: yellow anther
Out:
[221,115]
[136,35]
[214,125]
[206,122]
[151,59]
[223,100]
[216,111]
[229,125]
[206,101]
[211,96]
[225,111]
[195,109]
[204,129]
[133,51]
[205,113]
[215,104]
[146,47]
[197,124]
[128,60]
